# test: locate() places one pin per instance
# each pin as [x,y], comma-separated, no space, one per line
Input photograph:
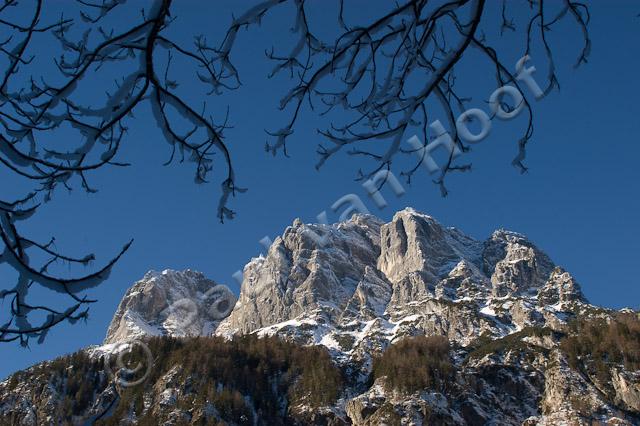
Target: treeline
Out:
[242,378]
[416,363]
[486,345]
[594,346]
[78,378]
[251,379]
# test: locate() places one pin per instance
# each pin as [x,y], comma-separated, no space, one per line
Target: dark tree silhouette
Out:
[381,75]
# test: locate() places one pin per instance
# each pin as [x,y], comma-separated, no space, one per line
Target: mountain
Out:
[360,322]
[170,303]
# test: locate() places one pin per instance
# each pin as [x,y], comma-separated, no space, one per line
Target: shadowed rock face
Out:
[417,243]
[560,288]
[310,268]
[357,287]
[169,303]
[514,264]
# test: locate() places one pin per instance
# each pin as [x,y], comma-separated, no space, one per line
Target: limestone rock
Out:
[170,303]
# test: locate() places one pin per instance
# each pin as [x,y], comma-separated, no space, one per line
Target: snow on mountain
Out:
[365,282]
[359,285]
[170,303]
[372,283]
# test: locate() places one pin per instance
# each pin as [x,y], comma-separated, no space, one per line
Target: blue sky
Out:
[579,202]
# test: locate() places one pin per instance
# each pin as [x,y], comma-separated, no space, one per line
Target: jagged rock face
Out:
[569,397]
[170,303]
[310,268]
[627,388]
[514,264]
[359,285]
[412,243]
[560,288]
[417,252]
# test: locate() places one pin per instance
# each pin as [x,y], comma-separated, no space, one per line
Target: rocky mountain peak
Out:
[561,287]
[417,250]
[177,303]
[515,265]
[367,283]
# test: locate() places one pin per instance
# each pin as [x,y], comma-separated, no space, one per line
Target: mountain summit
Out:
[170,303]
[421,323]
[371,283]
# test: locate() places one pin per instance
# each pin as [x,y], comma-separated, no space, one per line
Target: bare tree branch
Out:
[382,79]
